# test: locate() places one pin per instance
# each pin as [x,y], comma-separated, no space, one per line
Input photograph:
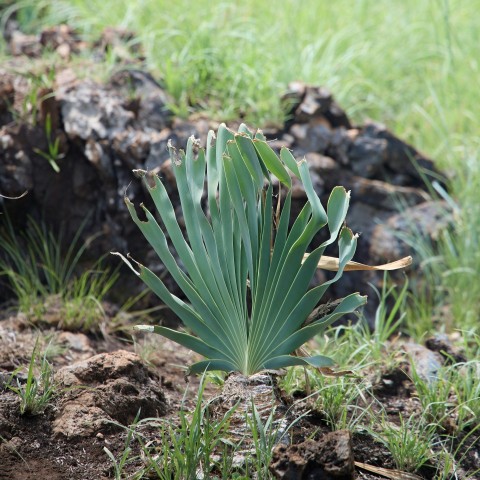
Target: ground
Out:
[68,440]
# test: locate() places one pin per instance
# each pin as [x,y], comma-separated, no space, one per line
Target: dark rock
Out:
[16,171]
[340,143]
[324,166]
[63,39]
[21,44]
[304,102]
[121,42]
[105,388]
[329,458]
[7,97]
[311,137]
[367,155]
[383,195]
[400,157]
[427,220]
[152,110]
[441,344]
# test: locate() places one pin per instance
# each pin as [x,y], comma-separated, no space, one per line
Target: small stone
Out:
[330,458]
[425,362]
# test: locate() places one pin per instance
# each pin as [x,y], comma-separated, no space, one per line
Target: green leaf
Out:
[251,159]
[347,305]
[188,341]
[211,365]
[289,161]
[272,162]
[283,361]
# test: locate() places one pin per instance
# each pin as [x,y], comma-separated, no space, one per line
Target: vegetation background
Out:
[410,64]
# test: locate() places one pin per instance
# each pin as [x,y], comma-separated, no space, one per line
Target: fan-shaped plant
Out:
[243,269]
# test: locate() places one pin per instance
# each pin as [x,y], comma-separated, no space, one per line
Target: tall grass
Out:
[410,64]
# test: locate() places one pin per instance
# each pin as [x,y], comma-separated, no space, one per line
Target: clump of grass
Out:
[43,277]
[196,445]
[39,389]
[184,449]
[450,453]
[409,443]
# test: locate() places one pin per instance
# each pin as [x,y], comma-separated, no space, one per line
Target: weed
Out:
[453,395]
[409,443]
[52,155]
[41,276]
[39,390]
[450,457]
[120,464]
[342,401]
[434,395]
[184,450]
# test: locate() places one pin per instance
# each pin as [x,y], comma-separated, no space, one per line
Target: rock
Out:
[120,42]
[383,195]
[92,112]
[7,98]
[442,344]
[76,341]
[340,143]
[16,168]
[399,157]
[329,458]
[426,220]
[311,137]
[21,44]
[425,362]
[106,388]
[151,111]
[367,155]
[305,101]
[61,38]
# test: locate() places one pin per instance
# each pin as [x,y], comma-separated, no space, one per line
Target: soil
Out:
[68,440]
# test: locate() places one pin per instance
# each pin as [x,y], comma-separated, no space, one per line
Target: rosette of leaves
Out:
[243,270]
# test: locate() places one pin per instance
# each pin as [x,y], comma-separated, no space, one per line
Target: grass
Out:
[39,389]
[237,58]
[409,442]
[42,276]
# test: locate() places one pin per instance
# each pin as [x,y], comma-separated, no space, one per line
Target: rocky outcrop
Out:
[103,131]
[106,389]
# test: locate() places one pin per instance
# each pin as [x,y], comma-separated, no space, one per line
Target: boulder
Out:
[103,391]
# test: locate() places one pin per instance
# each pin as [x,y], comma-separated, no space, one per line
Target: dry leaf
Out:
[388,473]
[331,264]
